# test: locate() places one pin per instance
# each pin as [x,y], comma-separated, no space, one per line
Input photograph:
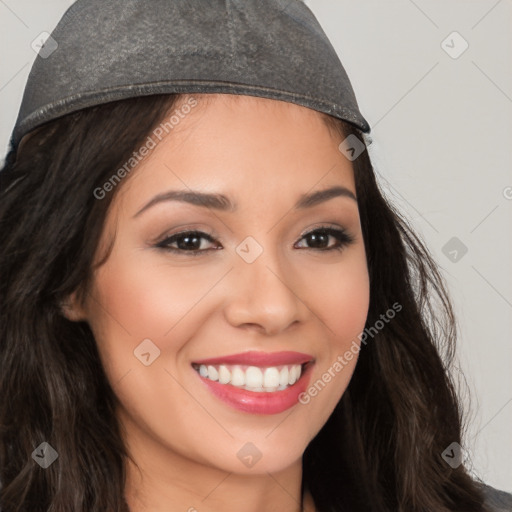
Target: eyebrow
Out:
[222,203]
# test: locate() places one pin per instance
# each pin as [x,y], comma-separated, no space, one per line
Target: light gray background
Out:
[442,131]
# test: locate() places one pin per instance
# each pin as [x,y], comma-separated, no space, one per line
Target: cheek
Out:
[139,297]
[339,295]
[133,301]
[148,300]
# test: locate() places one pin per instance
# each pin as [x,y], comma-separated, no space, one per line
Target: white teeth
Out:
[237,377]
[271,378]
[253,378]
[213,374]
[292,376]
[224,375]
[283,377]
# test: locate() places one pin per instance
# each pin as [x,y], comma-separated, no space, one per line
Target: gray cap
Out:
[108,50]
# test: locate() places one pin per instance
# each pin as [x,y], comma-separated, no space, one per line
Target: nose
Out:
[261,296]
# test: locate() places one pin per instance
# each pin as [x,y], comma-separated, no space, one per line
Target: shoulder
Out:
[496,500]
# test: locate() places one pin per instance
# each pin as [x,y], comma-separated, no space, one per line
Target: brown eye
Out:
[186,241]
[319,239]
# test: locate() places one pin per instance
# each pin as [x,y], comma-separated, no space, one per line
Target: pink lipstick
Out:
[257,382]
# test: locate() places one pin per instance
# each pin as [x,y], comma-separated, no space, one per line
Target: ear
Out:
[72,309]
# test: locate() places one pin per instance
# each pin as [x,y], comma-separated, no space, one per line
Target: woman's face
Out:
[184,324]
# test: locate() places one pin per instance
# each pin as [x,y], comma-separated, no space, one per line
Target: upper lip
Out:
[256,358]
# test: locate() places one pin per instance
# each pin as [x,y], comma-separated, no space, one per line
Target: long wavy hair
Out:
[381,448]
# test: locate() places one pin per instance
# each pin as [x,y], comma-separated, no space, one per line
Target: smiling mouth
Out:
[266,379]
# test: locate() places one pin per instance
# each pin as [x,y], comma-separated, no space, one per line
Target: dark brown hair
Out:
[379,451]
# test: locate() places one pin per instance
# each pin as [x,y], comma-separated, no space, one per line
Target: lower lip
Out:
[255,402]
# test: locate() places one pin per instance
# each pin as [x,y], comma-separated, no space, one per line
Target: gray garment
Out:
[107,50]
[496,500]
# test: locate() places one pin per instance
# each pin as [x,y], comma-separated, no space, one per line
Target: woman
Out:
[206,302]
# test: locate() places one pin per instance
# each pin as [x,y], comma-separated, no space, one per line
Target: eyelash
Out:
[342,237]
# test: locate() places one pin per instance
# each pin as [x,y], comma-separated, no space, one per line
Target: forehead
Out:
[244,144]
